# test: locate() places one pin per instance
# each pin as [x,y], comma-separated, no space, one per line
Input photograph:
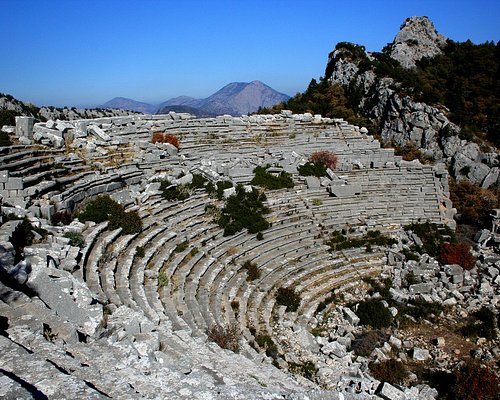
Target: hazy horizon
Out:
[75,53]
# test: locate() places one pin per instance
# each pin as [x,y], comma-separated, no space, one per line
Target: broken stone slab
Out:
[54,297]
[334,348]
[24,126]
[99,133]
[420,288]
[389,392]
[350,316]
[312,182]
[420,354]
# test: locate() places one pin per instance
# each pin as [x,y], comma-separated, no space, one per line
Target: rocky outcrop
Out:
[416,39]
[403,120]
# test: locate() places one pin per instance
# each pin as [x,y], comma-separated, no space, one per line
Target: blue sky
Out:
[83,53]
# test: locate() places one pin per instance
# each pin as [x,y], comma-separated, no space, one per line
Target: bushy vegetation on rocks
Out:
[289,298]
[457,253]
[366,342]
[227,337]
[172,192]
[307,369]
[252,269]
[312,168]
[392,371]
[473,203]
[24,235]
[339,241]
[159,137]
[4,139]
[433,236]
[75,239]
[269,181]
[217,190]
[61,217]
[482,323]
[374,313]
[476,382]
[244,210]
[328,158]
[103,208]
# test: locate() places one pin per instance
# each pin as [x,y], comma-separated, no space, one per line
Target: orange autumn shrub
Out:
[328,158]
[159,137]
[457,253]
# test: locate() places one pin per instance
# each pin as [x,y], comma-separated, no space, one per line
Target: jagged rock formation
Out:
[97,321]
[416,39]
[403,120]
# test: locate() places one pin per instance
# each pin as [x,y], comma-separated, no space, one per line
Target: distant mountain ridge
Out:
[236,98]
[123,103]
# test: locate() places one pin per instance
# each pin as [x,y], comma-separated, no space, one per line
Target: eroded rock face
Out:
[405,121]
[417,39]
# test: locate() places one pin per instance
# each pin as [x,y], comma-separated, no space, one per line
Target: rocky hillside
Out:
[426,95]
[416,39]
[11,107]
[407,109]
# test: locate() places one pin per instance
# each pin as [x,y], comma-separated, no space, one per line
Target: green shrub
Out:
[481,323]
[193,251]
[313,168]
[103,208]
[75,239]
[366,342]
[162,279]
[259,236]
[420,309]
[264,179]
[24,235]
[8,117]
[227,337]
[253,271]
[308,370]
[139,252]
[175,193]
[289,298]
[391,371]
[4,139]
[181,247]
[339,241]
[198,182]
[373,313]
[267,344]
[62,217]
[244,210]
[432,236]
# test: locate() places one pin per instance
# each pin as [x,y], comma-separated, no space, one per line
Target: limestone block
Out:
[4,176]
[334,349]
[389,392]
[420,354]
[24,127]
[491,178]
[420,288]
[229,192]
[312,182]
[14,184]
[52,294]
[99,133]
[350,316]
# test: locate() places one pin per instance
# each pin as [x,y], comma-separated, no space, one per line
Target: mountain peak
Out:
[416,39]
